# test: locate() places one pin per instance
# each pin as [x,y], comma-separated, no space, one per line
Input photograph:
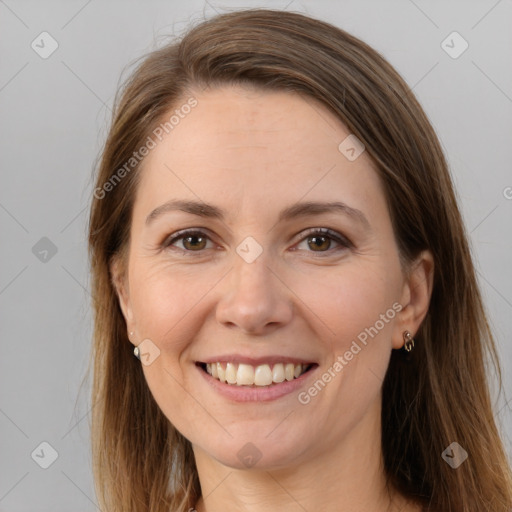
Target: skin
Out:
[253,153]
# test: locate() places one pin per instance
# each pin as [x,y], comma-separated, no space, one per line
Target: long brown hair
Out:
[441,395]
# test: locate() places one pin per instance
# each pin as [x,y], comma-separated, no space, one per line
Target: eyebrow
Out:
[304,209]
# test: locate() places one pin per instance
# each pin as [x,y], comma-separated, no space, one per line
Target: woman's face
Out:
[259,287]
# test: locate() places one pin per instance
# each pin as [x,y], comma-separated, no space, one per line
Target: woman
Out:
[275,236]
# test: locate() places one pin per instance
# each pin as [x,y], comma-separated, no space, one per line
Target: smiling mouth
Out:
[263,375]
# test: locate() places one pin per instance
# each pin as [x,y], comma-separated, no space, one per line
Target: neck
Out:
[346,478]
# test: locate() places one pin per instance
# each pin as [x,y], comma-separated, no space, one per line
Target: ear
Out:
[120,282]
[415,299]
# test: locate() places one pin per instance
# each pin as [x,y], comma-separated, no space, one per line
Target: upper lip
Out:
[256,361]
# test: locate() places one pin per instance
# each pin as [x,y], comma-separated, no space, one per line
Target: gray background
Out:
[55,113]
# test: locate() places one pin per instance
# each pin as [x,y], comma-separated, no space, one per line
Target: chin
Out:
[253,448]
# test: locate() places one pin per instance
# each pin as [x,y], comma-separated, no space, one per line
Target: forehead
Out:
[256,147]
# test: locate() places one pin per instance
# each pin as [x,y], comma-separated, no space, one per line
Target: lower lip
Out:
[256,394]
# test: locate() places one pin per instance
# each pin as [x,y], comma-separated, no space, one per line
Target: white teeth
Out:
[278,372]
[231,373]
[263,375]
[289,371]
[221,373]
[247,375]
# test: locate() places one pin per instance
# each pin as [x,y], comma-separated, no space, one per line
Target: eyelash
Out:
[324,232]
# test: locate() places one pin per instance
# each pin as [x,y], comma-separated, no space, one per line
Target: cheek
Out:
[165,300]
[350,301]
[357,306]
[166,304]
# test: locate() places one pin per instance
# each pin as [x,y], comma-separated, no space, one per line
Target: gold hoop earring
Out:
[409,341]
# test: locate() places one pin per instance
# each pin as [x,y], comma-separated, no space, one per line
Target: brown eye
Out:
[196,242]
[192,240]
[319,242]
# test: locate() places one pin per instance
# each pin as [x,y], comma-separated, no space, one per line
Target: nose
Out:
[254,298]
